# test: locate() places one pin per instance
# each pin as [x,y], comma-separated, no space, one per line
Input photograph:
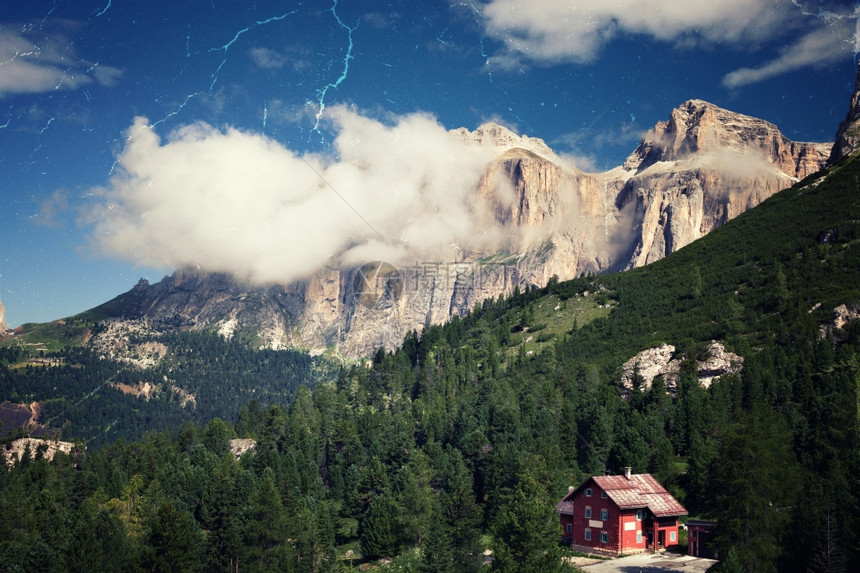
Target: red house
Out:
[614,515]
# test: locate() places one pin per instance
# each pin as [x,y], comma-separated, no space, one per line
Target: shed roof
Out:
[636,492]
[564,507]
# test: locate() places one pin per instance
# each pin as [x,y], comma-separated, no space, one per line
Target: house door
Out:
[662,538]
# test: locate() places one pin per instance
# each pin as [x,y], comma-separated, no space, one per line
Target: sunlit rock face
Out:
[546,217]
[848,134]
[703,167]
[15,451]
[3,325]
[698,128]
[639,372]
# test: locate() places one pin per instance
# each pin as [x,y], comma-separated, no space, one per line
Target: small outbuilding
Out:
[700,535]
[615,515]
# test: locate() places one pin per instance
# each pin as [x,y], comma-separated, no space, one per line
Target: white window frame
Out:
[639,537]
[604,514]
[673,537]
[604,537]
[588,534]
[588,492]
[588,512]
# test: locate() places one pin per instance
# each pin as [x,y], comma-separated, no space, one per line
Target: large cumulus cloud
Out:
[239,202]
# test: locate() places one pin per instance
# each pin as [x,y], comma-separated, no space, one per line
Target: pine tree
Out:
[461,512]
[264,531]
[438,557]
[827,556]
[172,540]
[526,531]
[378,529]
[756,483]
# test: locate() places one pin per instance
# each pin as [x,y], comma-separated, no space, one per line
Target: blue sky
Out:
[136,137]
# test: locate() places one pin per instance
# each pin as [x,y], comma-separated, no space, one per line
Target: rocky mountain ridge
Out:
[688,175]
[848,134]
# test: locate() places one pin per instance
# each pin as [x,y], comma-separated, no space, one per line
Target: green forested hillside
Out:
[464,439]
[201,377]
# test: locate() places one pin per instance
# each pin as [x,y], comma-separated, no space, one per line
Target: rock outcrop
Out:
[702,167]
[848,134]
[3,326]
[640,371]
[842,315]
[45,448]
[238,446]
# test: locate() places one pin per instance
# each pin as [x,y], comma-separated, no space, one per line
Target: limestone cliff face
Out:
[3,325]
[701,128]
[848,134]
[689,175]
[703,167]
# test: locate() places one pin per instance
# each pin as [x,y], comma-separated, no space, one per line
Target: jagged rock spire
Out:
[848,134]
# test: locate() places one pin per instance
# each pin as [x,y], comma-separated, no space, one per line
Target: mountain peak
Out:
[700,127]
[503,138]
[848,134]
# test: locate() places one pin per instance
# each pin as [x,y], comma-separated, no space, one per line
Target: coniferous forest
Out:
[450,453]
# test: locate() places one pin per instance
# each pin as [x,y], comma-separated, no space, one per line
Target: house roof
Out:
[636,492]
[564,507]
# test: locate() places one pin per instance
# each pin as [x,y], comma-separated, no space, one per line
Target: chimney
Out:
[627,472]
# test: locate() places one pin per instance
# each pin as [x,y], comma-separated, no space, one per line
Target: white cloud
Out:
[238,202]
[565,30]
[587,162]
[28,67]
[267,59]
[857,29]
[819,47]
[52,209]
[551,31]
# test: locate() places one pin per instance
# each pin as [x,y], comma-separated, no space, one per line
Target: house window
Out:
[587,534]
[673,536]
[603,494]
[604,537]
[604,514]
[569,527]
[588,492]
[638,536]
[588,511]
[639,514]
